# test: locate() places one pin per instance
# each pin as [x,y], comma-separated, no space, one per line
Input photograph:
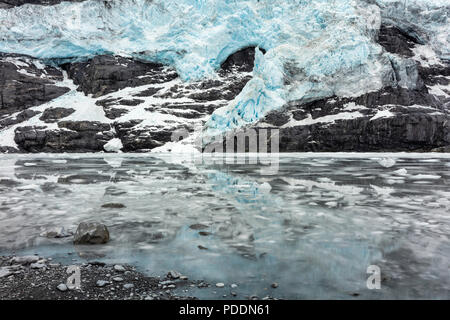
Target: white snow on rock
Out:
[382,114]
[325,119]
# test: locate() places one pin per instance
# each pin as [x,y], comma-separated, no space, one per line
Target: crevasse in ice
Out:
[315,48]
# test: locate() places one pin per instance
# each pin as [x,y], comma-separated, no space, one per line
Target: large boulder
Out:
[91,233]
[72,136]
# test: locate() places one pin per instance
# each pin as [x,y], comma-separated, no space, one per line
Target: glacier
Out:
[314,48]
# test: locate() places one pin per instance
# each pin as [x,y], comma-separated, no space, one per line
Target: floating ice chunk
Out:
[265,187]
[59,161]
[425,177]
[401,172]
[387,162]
[384,191]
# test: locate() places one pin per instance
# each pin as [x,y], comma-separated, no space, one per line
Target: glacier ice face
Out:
[315,48]
[425,20]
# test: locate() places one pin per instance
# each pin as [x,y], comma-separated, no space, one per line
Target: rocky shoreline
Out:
[37,278]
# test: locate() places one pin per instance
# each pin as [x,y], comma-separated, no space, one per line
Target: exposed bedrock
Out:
[70,136]
[145,102]
[26,82]
[411,115]
[104,74]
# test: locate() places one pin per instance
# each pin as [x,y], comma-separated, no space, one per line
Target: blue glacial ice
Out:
[315,48]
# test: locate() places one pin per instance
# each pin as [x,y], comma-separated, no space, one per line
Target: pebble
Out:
[62,287]
[118,279]
[274,285]
[128,286]
[102,283]
[173,275]
[220,285]
[119,268]
[234,294]
[5,272]
[234,285]
[37,265]
[184,278]
[25,260]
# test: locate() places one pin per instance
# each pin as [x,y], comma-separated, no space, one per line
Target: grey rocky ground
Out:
[36,278]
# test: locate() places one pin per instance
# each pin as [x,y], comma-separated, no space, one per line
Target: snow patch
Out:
[382,114]
[113,145]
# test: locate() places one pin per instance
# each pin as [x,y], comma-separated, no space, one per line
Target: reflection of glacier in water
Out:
[314,228]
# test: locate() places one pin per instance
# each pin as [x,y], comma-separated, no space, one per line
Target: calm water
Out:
[314,227]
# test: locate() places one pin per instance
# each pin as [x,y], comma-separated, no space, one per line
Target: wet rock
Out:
[37,265]
[62,287]
[91,233]
[128,286]
[24,260]
[274,285]
[114,113]
[101,283]
[445,149]
[198,226]
[5,272]
[6,149]
[58,232]
[119,268]
[81,136]
[173,275]
[220,285]
[396,41]
[8,120]
[242,61]
[51,115]
[26,82]
[117,279]
[142,138]
[104,74]
[113,205]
